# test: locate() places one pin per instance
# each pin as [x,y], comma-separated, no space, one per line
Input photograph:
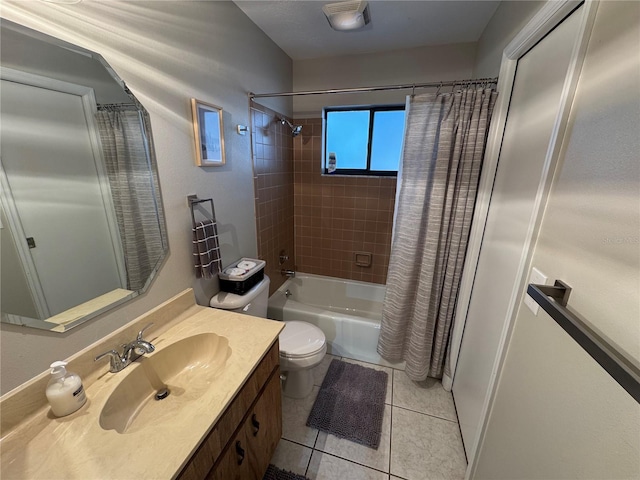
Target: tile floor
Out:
[420,436]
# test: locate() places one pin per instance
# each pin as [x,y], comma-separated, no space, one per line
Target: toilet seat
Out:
[301,340]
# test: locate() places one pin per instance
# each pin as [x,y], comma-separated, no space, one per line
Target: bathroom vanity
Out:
[221,419]
[244,439]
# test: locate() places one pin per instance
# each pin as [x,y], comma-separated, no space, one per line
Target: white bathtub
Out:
[347,311]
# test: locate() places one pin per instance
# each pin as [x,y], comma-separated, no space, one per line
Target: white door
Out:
[533,109]
[49,163]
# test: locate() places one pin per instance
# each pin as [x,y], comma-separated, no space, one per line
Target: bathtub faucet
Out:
[287,273]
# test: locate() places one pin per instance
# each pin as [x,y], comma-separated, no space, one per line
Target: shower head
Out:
[295,129]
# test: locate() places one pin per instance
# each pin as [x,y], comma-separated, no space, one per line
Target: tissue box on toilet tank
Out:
[242,276]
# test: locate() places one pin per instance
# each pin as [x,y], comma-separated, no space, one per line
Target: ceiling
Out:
[300,28]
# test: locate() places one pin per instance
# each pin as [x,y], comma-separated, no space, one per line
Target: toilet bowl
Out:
[302,345]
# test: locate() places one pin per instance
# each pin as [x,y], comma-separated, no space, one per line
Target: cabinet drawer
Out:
[211,448]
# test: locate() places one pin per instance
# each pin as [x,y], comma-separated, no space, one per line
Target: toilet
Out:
[302,345]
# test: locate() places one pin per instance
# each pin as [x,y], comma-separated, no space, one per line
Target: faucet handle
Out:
[110,353]
[139,337]
[115,361]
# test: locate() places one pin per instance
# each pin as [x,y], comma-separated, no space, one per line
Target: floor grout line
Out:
[427,414]
[351,461]
[297,443]
[306,471]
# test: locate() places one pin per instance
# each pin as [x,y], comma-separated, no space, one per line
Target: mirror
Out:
[82,226]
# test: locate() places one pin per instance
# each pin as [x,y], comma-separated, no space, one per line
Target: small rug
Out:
[350,403]
[275,473]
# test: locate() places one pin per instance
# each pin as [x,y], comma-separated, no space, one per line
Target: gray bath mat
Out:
[275,473]
[350,403]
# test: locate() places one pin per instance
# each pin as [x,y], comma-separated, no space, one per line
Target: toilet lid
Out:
[300,339]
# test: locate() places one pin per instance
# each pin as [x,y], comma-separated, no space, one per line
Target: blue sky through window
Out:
[348,136]
[388,129]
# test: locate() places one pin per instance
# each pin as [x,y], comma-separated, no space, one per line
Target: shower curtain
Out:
[445,136]
[126,156]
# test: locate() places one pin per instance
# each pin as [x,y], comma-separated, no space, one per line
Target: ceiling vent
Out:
[347,15]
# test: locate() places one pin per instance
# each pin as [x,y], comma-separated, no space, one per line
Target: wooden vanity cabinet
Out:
[263,428]
[242,442]
[248,453]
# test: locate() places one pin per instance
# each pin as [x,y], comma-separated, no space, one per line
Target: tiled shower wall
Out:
[336,216]
[273,186]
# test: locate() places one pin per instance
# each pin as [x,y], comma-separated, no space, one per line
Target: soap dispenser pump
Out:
[65,392]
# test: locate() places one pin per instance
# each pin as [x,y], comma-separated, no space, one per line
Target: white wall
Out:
[414,65]
[509,19]
[557,413]
[33,55]
[167,52]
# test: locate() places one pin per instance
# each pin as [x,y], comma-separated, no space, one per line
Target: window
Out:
[363,140]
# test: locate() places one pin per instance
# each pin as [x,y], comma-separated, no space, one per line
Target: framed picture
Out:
[209,134]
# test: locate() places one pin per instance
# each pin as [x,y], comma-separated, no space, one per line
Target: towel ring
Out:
[196,201]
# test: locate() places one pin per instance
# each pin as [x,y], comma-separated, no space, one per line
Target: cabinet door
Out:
[263,427]
[234,462]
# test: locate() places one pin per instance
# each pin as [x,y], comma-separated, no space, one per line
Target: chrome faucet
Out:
[287,293]
[130,352]
[288,273]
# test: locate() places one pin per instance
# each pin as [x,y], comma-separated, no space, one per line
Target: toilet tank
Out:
[254,302]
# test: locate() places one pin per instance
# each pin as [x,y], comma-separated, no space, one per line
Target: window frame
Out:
[358,171]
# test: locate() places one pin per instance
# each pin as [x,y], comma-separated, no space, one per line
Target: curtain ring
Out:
[438,90]
[413,90]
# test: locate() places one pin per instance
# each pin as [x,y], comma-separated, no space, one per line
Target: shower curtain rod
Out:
[405,86]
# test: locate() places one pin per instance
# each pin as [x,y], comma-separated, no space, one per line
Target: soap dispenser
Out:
[64,391]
